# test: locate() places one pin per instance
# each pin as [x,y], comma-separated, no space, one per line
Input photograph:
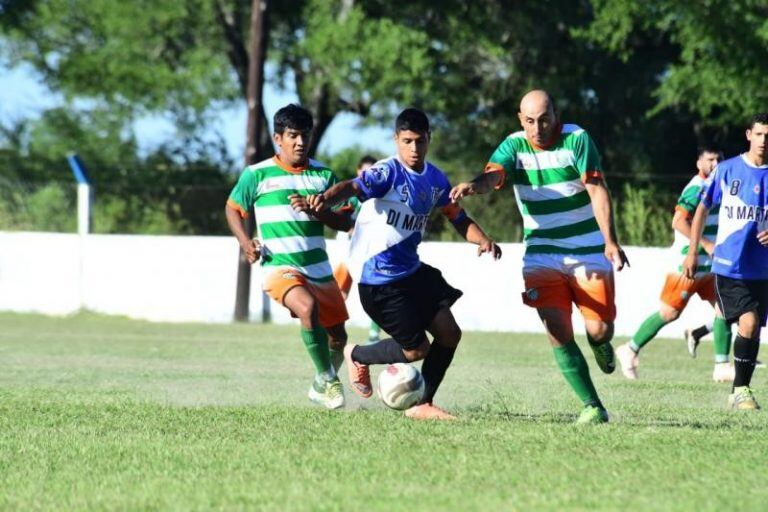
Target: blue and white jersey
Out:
[397,202]
[741,190]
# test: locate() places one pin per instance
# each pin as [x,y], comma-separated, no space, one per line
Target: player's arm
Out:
[603,209]
[236,217]
[697,228]
[681,222]
[471,230]
[340,220]
[481,184]
[334,195]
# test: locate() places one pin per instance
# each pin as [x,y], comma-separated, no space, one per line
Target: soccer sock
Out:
[337,358]
[722,343]
[647,331]
[744,357]
[381,352]
[700,332]
[316,342]
[433,369]
[574,368]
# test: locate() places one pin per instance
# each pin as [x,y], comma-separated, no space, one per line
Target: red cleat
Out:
[359,376]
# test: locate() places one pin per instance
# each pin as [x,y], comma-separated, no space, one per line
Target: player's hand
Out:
[461,191]
[616,256]
[489,246]
[690,263]
[299,203]
[252,250]
[762,237]
[709,246]
[317,202]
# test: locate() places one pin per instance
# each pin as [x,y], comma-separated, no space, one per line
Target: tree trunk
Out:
[253,152]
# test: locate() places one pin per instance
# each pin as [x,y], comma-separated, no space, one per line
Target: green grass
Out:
[108,413]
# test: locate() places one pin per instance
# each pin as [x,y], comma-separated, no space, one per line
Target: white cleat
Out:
[723,372]
[628,361]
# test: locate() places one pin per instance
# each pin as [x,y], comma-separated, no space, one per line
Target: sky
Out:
[22,95]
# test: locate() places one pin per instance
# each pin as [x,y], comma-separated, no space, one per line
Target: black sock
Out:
[699,332]
[744,357]
[382,352]
[433,369]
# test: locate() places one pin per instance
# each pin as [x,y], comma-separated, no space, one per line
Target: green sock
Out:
[574,368]
[647,331]
[337,358]
[316,341]
[722,344]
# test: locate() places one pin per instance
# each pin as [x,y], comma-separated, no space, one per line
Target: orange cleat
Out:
[359,376]
[428,412]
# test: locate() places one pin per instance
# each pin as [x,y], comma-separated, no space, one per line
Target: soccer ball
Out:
[400,386]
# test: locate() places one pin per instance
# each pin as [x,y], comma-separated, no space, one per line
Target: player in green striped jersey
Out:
[677,288]
[568,233]
[291,246]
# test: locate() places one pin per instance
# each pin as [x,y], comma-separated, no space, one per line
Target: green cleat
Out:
[605,357]
[743,399]
[328,394]
[592,415]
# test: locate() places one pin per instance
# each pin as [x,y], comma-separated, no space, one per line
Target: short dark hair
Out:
[761,118]
[293,116]
[412,119]
[709,148]
[367,159]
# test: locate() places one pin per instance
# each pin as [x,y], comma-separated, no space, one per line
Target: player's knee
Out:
[418,353]
[601,332]
[669,314]
[305,309]
[748,326]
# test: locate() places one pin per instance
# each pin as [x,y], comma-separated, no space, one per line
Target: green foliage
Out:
[643,216]
[344,162]
[720,47]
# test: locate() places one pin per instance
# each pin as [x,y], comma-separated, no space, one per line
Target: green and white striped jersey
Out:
[289,238]
[550,190]
[688,202]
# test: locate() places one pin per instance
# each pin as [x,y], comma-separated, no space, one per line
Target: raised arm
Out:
[482,184]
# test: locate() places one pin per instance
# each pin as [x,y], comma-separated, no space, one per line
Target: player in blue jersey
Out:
[406,297]
[740,260]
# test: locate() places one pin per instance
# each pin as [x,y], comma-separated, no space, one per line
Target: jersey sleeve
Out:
[375,181]
[503,160]
[587,158]
[712,193]
[243,196]
[689,200]
[451,210]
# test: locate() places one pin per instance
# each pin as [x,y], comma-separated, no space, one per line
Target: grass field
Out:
[108,413]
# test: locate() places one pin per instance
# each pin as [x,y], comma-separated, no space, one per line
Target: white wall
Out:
[173,278]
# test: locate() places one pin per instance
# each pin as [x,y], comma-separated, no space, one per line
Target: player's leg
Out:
[746,302]
[593,291]
[571,362]
[332,313]
[446,334]
[723,370]
[297,297]
[693,336]
[674,297]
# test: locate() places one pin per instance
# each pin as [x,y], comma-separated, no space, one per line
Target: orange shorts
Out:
[593,292]
[678,290]
[330,304]
[342,277]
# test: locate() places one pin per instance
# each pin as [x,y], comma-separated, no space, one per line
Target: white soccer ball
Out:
[400,386]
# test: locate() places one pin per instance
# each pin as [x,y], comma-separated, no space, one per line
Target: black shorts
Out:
[405,308]
[739,296]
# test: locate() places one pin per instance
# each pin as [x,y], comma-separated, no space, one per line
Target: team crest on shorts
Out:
[532,293]
[684,295]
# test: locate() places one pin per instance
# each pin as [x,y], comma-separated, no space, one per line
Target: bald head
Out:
[538,117]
